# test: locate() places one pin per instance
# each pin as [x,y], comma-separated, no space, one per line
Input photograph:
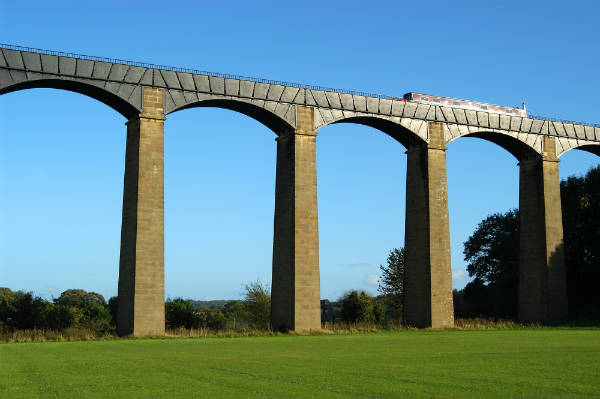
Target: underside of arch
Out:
[517,148]
[112,100]
[266,117]
[593,148]
[398,132]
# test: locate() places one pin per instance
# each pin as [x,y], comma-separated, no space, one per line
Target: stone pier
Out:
[295,295]
[542,281]
[141,269]
[428,275]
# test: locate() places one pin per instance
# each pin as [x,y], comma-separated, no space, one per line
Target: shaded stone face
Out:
[295,288]
[428,275]
[542,282]
[141,270]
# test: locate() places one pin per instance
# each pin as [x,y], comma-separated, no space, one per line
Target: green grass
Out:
[537,362]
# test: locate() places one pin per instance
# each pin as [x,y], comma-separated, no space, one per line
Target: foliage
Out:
[391,282]
[234,313]
[257,305]
[212,319]
[330,311]
[180,313]
[73,309]
[581,222]
[359,306]
[83,309]
[113,307]
[492,253]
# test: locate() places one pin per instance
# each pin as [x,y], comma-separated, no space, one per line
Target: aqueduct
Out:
[145,94]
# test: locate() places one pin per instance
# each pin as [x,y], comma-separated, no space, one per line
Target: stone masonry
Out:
[428,278]
[542,282]
[295,288]
[141,269]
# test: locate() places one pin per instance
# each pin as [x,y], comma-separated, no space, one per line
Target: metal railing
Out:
[192,71]
[240,77]
[551,119]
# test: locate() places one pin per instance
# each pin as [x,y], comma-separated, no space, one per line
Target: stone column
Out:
[428,275]
[542,280]
[295,295]
[141,269]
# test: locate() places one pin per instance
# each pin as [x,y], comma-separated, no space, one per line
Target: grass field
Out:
[496,363]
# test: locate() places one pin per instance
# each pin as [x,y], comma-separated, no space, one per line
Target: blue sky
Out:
[62,154]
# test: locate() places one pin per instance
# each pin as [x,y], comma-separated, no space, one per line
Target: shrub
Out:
[359,306]
[181,313]
[257,305]
[212,319]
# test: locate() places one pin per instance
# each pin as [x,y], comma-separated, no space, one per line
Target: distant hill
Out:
[217,304]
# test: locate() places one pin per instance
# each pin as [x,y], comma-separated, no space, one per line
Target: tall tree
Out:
[391,282]
[492,253]
[580,198]
[257,305]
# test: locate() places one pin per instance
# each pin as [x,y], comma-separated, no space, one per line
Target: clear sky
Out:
[62,154]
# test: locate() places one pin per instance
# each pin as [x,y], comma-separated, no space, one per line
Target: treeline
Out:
[72,309]
[492,253]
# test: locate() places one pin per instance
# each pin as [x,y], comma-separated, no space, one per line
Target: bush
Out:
[212,319]
[257,305]
[79,308]
[359,306]
[181,313]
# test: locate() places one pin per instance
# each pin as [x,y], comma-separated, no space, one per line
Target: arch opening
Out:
[396,131]
[482,181]
[104,96]
[219,203]
[62,193]
[519,149]
[277,124]
[361,196]
[591,148]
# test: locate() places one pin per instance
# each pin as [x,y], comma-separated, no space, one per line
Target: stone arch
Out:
[405,136]
[114,101]
[592,148]
[518,148]
[269,118]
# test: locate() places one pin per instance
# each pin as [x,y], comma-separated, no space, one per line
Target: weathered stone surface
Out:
[187,81]
[295,288]
[100,69]
[141,269]
[542,283]
[428,282]
[134,74]
[31,62]
[217,84]
[275,92]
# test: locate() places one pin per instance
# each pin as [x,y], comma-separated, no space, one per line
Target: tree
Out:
[492,253]
[359,306]
[234,312]
[181,313]
[21,310]
[78,308]
[391,282]
[581,223]
[212,318]
[257,305]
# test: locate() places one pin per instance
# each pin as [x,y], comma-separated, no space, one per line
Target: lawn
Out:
[458,363]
